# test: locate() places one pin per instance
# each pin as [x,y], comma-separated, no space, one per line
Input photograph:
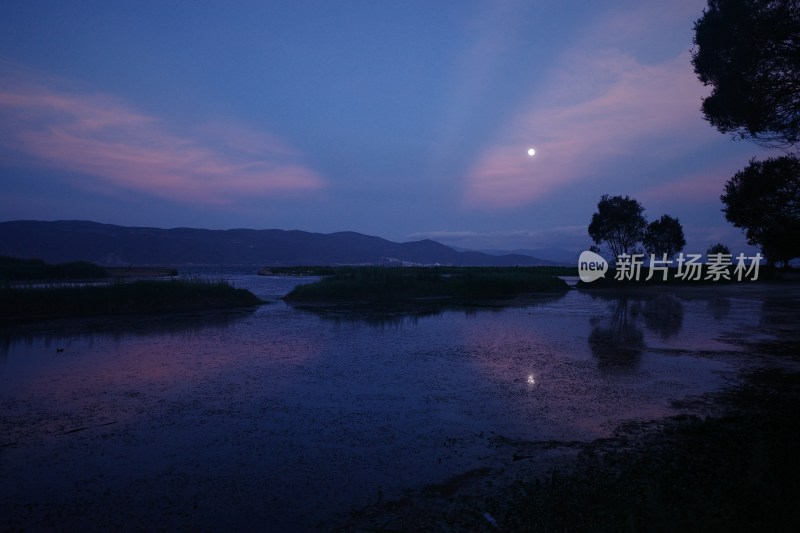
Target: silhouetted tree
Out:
[619,223]
[718,248]
[664,236]
[764,200]
[748,51]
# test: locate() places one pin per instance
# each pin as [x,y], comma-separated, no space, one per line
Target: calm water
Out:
[284,418]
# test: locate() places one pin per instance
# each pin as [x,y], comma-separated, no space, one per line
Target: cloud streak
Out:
[704,185]
[123,149]
[618,109]
[631,101]
[697,188]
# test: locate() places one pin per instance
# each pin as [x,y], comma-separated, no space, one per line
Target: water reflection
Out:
[780,320]
[779,311]
[616,340]
[58,333]
[663,315]
[205,413]
[719,306]
[373,315]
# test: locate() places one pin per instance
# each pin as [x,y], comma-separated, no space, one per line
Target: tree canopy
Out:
[664,236]
[619,223]
[764,200]
[748,51]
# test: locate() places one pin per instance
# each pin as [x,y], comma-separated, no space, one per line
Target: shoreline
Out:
[141,272]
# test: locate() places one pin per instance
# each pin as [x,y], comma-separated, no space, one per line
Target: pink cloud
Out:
[705,185]
[698,187]
[605,108]
[123,149]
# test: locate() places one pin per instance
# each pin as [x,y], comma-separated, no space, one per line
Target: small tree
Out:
[664,236]
[764,200]
[718,248]
[619,223]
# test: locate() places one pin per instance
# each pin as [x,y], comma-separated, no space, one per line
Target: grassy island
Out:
[382,284]
[145,296]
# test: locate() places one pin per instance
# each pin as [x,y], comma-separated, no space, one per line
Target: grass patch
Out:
[145,296]
[392,283]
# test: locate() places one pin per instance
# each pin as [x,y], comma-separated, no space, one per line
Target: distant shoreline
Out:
[141,272]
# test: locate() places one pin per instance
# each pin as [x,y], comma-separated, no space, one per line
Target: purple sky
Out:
[401,119]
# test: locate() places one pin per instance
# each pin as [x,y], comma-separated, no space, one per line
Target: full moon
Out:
[531,152]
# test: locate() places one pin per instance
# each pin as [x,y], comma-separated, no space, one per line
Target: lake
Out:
[283,418]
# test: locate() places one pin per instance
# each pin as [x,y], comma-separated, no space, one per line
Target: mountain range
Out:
[112,245]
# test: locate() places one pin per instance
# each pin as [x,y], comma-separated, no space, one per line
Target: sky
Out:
[402,119]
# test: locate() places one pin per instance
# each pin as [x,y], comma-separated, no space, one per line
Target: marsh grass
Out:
[144,296]
[393,283]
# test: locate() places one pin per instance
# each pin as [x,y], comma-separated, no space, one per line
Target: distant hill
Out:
[555,256]
[107,244]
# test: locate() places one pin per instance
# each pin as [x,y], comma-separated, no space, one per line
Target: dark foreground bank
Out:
[145,296]
[736,471]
